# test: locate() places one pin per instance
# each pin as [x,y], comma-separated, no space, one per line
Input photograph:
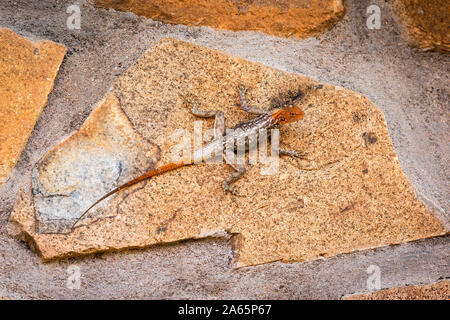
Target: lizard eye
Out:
[282,119]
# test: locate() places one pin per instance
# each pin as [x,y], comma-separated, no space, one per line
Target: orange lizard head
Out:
[288,115]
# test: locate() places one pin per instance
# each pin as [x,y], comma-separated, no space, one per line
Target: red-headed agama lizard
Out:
[267,119]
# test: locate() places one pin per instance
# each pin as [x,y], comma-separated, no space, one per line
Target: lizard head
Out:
[287,115]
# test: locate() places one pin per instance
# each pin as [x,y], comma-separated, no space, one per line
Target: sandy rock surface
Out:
[349,194]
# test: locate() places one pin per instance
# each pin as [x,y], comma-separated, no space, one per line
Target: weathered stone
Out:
[350,194]
[282,18]
[27,73]
[426,23]
[437,291]
[105,152]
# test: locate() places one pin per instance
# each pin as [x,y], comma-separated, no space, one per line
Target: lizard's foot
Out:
[242,89]
[185,98]
[302,155]
[233,177]
[189,101]
[228,188]
[295,154]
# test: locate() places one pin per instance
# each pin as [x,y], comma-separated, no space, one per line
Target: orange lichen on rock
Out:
[27,73]
[426,23]
[281,18]
[437,291]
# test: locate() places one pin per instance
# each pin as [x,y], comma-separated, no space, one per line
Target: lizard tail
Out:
[147,175]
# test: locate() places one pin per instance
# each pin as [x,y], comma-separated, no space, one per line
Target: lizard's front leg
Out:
[233,177]
[219,122]
[244,105]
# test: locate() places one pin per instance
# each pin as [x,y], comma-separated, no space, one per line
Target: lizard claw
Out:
[242,89]
[182,96]
[186,99]
[295,154]
[304,155]
[227,188]
[301,155]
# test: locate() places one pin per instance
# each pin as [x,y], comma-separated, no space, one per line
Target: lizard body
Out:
[267,119]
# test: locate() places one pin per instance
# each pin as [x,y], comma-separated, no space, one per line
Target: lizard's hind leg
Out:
[233,177]
[247,108]
[294,154]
